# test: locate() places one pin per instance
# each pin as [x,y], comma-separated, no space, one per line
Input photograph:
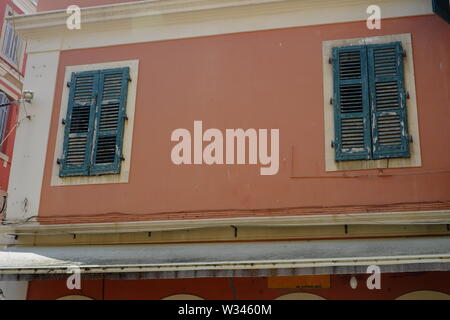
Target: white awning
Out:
[283,258]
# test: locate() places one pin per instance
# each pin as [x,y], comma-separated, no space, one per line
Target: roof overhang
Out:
[277,219]
[243,259]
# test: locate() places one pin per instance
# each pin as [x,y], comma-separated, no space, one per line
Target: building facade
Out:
[232,150]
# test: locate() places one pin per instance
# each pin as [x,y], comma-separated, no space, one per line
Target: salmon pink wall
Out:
[48,5]
[266,79]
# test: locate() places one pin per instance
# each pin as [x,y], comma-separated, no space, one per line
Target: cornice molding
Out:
[273,14]
[131,10]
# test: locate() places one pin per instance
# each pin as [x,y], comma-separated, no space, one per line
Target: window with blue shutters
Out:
[370,102]
[95,122]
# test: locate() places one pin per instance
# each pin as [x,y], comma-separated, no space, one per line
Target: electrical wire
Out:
[24,222]
[10,103]
[16,125]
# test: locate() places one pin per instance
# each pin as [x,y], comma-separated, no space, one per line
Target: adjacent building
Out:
[12,69]
[141,164]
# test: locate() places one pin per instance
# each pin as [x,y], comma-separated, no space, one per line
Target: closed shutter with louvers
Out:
[388,101]
[3,118]
[110,119]
[95,123]
[351,104]
[79,124]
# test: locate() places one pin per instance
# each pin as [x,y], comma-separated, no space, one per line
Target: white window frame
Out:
[20,50]
[123,177]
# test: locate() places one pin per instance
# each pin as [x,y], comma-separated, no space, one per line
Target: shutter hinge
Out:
[122,158]
[59,161]
[411,140]
[129,79]
[332,101]
[125,117]
[68,84]
[333,144]
[407,95]
[403,53]
[330,60]
[63,121]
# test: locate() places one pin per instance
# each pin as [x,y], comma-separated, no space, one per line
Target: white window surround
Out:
[123,177]
[411,106]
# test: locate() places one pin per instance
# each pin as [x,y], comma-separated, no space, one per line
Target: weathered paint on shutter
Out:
[79,124]
[351,104]
[388,101]
[110,121]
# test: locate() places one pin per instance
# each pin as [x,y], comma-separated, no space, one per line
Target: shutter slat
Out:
[388,103]
[351,106]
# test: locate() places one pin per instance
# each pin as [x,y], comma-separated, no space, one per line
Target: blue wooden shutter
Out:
[3,117]
[79,124]
[351,104]
[110,121]
[388,101]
